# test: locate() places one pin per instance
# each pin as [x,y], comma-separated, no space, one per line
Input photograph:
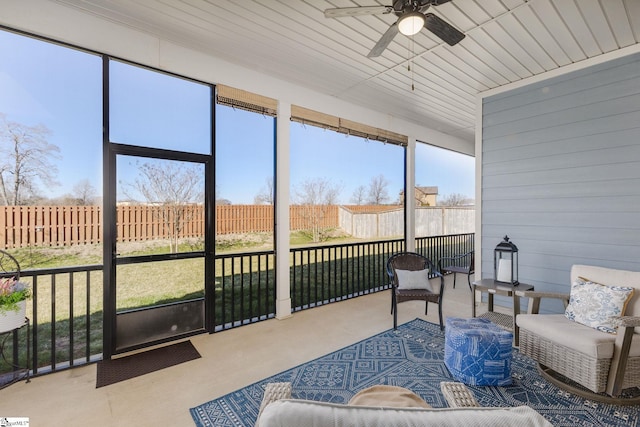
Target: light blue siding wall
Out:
[561,173]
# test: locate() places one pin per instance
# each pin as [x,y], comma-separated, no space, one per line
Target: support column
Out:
[478,204]
[283,286]
[410,198]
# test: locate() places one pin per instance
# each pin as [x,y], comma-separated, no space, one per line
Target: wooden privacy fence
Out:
[259,218]
[430,221]
[24,226]
[140,222]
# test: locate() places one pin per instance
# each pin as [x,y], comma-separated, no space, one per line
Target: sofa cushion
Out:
[558,329]
[596,305]
[305,413]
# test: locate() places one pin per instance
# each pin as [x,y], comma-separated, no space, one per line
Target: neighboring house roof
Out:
[432,190]
[427,190]
[421,193]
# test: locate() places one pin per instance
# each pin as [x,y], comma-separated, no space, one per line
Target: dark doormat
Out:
[123,368]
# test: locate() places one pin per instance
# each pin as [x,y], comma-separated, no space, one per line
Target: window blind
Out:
[349,127]
[238,98]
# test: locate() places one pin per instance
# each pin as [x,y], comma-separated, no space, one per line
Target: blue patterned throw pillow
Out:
[597,305]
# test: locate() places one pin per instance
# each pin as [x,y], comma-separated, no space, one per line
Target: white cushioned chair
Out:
[600,362]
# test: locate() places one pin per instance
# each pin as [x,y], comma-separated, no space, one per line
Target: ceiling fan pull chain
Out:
[408,54]
[412,65]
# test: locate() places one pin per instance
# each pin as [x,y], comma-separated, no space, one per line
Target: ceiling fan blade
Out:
[436,2]
[442,29]
[338,12]
[384,41]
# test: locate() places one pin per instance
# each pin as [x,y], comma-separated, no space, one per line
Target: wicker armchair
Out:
[462,263]
[413,262]
[602,364]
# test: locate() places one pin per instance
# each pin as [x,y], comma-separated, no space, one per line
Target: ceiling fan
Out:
[411,19]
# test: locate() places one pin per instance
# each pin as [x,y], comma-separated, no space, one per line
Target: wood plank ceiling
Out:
[506,41]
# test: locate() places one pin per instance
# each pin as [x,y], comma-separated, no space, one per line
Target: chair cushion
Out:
[418,279]
[597,305]
[558,329]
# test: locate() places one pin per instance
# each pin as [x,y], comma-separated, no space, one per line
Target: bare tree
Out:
[26,160]
[454,199]
[171,187]
[378,193]
[316,196]
[221,201]
[266,194]
[358,196]
[84,193]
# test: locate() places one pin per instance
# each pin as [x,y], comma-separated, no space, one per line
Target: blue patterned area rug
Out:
[410,357]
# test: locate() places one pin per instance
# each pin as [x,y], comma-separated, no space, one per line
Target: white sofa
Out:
[305,413]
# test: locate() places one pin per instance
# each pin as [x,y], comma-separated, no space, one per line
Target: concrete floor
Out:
[230,360]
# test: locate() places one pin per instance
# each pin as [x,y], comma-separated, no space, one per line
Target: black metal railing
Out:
[65,317]
[66,308]
[437,247]
[324,274]
[245,290]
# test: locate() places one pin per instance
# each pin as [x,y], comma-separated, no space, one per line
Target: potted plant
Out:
[13,303]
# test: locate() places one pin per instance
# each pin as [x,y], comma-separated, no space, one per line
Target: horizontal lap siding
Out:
[561,173]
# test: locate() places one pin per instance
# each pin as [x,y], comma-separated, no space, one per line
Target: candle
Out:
[504,270]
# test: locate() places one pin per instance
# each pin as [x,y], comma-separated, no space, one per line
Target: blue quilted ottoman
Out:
[477,352]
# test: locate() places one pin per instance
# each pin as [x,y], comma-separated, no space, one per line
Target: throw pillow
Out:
[597,305]
[418,279]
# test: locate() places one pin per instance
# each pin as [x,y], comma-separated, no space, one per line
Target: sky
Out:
[43,83]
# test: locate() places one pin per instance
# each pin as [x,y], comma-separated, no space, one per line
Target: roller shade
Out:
[327,121]
[238,98]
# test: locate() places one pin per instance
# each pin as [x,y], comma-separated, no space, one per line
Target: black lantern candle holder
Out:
[505,262]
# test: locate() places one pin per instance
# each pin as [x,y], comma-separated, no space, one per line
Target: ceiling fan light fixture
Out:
[411,23]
